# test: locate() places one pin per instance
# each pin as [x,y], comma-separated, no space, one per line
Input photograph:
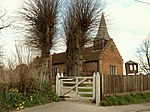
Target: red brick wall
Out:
[111,56]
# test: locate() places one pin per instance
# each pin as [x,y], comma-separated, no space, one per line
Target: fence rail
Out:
[122,84]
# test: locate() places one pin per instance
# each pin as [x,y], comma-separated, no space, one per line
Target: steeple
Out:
[102,31]
[102,36]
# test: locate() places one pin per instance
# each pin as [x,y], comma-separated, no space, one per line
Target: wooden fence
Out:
[124,84]
[106,85]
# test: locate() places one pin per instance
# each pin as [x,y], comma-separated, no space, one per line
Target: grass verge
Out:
[127,99]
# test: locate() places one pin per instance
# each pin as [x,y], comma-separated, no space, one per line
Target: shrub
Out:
[3,105]
[36,98]
[15,99]
[44,95]
[47,90]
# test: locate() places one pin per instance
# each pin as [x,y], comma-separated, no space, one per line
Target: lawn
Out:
[132,98]
[86,90]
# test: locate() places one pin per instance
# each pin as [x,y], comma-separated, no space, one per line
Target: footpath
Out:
[73,104]
[70,106]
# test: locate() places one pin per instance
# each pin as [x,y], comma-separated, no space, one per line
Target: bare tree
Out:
[80,21]
[143,54]
[3,23]
[19,68]
[41,18]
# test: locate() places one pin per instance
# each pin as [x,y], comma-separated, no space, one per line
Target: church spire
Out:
[102,31]
[102,36]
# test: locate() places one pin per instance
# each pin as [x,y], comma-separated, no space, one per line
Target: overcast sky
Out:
[128,24]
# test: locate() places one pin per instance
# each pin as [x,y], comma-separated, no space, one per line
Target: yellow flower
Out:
[23,103]
[21,107]
[17,108]
[15,90]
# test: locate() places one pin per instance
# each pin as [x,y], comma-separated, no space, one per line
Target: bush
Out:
[3,105]
[16,100]
[44,95]
[36,98]
[47,90]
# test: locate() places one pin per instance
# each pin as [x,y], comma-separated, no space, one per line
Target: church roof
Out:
[102,31]
[90,55]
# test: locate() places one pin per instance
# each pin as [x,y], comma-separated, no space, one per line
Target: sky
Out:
[128,23]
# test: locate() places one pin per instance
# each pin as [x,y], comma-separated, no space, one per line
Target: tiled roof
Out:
[90,55]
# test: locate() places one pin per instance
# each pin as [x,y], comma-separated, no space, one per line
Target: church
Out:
[102,57]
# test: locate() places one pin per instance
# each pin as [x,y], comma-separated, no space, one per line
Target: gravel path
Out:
[67,106]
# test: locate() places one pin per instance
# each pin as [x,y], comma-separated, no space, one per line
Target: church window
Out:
[113,70]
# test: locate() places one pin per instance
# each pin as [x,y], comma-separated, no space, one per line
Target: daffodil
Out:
[17,108]
[22,107]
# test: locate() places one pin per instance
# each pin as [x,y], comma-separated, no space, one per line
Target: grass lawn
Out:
[86,90]
[127,99]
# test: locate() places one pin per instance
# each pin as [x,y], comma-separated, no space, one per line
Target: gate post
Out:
[98,89]
[77,80]
[94,86]
[58,84]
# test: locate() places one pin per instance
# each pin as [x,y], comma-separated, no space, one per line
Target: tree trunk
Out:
[74,63]
[44,69]
[79,61]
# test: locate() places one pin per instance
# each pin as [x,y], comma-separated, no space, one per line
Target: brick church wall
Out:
[111,57]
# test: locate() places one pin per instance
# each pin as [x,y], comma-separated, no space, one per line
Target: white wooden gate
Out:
[81,86]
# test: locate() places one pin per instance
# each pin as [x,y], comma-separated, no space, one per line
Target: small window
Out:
[135,67]
[113,70]
[131,67]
